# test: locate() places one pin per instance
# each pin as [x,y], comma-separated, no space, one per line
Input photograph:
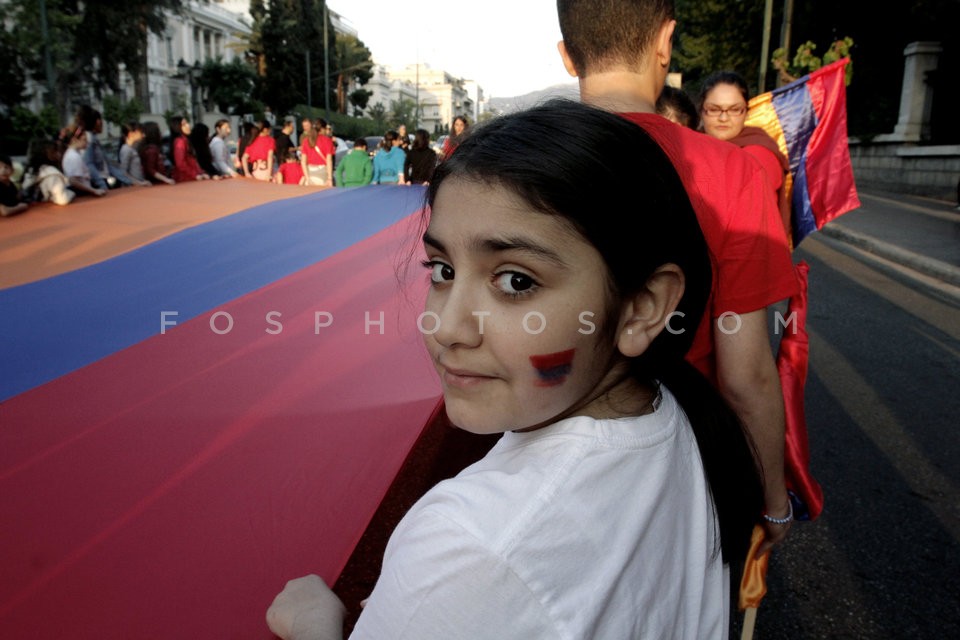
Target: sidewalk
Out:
[917,233]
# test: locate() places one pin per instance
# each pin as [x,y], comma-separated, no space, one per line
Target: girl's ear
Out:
[648,311]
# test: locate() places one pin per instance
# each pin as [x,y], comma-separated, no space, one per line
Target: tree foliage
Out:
[717,34]
[90,43]
[229,86]
[354,63]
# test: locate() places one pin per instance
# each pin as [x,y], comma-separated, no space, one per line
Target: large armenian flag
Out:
[207,390]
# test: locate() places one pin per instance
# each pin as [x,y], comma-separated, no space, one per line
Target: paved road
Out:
[882,401]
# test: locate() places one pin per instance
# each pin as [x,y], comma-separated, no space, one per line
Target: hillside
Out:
[508,105]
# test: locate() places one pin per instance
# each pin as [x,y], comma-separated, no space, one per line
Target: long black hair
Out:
[613,183]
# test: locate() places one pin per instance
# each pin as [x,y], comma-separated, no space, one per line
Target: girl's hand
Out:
[307,609]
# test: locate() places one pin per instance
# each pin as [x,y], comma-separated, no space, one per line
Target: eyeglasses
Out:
[714,111]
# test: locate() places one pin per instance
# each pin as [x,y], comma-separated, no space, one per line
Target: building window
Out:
[207,53]
[169,40]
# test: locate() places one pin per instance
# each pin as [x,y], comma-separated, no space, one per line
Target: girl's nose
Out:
[457,318]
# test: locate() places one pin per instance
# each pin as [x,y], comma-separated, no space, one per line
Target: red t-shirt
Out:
[738,214]
[292,172]
[260,148]
[324,144]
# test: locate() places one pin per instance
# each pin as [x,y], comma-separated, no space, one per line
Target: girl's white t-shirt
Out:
[584,529]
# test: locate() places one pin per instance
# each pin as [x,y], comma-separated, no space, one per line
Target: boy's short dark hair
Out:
[601,34]
[5,159]
[360,142]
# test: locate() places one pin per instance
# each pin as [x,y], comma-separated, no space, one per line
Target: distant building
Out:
[441,95]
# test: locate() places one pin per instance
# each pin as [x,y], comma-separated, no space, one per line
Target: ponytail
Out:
[728,457]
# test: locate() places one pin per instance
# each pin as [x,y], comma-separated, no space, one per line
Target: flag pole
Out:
[749,622]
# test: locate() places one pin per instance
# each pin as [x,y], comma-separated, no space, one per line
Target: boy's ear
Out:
[664,43]
[648,312]
[567,62]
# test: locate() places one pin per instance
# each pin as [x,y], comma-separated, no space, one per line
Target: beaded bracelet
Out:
[783,520]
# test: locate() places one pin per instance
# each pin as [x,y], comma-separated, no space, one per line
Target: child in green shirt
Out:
[355,170]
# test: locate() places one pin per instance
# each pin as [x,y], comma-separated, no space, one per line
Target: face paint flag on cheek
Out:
[553,368]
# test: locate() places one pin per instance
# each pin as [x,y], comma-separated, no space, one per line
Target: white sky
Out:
[508,46]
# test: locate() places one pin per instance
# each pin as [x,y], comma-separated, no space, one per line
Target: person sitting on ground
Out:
[152,157]
[76,170]
[130,163]
[11,202]
[388,162]
[43,181]
[290,171]
[676,105]
[355,169]
[421,160]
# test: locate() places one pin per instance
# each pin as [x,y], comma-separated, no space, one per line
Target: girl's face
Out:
[458,126]
[724,112]
[514,319]
[185,127]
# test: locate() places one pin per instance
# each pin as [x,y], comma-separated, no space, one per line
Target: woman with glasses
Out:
[723,110]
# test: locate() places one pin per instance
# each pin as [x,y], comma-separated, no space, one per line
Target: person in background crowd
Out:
[290,171]
[200,141]
[11,203]
[284,140]
[624,70]
[260,154]
[404,138]
[316,154]
[43,181]
[74,168]
[130,164]
[724,97]
[249,133]
[219,152]
[355,169]
[152,157]
[185,165]
[103,175]
[457,132]
[421,160]
[388,162]
[676,105]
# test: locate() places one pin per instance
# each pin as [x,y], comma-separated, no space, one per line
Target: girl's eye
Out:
[439,271]
[514,283]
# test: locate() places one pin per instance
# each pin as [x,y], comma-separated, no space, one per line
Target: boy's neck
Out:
[620,91]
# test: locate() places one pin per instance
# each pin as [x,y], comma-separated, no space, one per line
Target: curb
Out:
[930,266]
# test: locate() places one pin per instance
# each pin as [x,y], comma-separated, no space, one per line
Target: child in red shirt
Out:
[290,172]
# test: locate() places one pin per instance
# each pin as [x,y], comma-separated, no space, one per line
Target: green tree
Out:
[378,113]
[288,38]
[359,99]
[89,44]
[805,61]
[229,86]
[354,63]
[717,34]
[401,112]
[119,111]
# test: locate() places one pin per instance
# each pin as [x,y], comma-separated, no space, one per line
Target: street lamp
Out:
[191,73]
